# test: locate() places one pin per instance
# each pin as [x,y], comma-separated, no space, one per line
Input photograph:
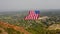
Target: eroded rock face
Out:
[2,31]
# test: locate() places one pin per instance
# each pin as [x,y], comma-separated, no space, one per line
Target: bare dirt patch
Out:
[21,29]
[54,27]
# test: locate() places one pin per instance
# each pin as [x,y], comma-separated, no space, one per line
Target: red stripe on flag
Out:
[32,15]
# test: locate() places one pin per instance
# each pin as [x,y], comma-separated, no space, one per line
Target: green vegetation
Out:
[12,31]
[32,26]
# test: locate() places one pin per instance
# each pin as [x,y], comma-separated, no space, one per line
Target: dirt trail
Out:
[21,29]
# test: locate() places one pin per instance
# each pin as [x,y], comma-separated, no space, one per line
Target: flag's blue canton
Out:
[37,11]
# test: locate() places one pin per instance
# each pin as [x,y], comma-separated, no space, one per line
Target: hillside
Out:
[14,23]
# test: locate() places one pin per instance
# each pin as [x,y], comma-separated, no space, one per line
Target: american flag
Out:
[33,15]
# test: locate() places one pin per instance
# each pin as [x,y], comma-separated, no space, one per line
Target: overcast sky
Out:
[7,5]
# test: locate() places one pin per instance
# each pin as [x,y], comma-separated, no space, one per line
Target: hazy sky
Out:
[7,5]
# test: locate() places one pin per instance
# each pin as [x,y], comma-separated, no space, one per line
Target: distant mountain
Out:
[50,12]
